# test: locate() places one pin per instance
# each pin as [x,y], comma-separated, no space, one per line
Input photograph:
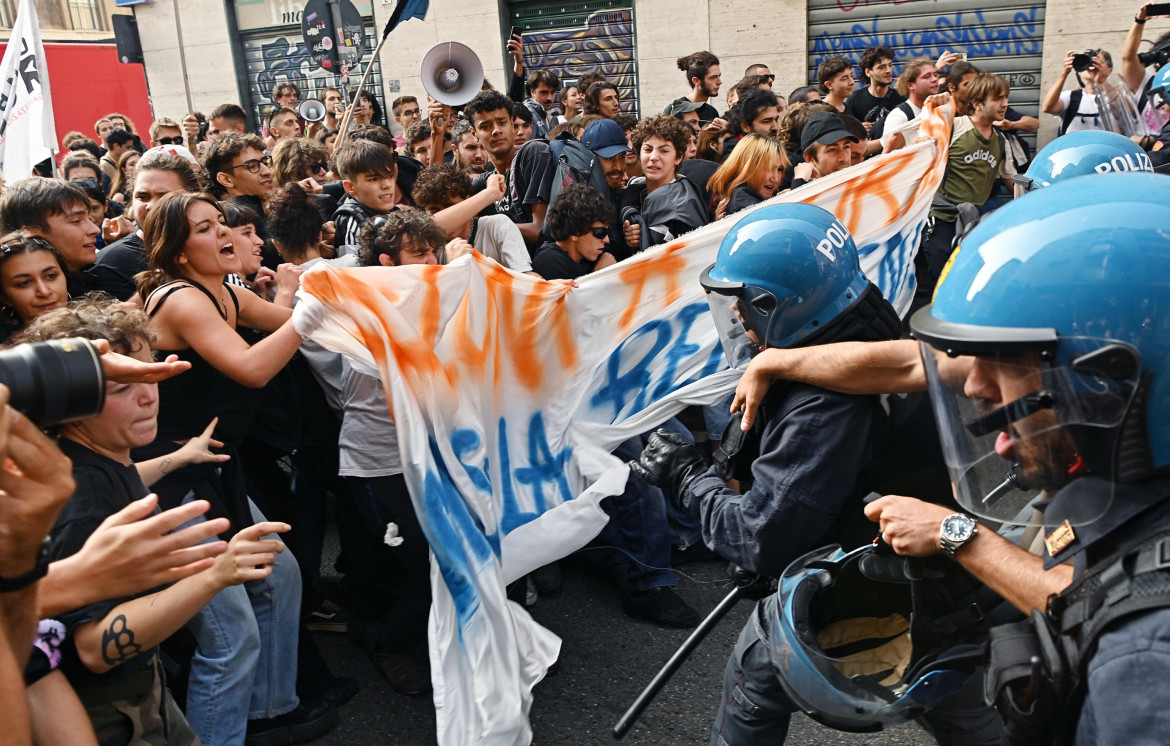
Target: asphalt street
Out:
[606,660]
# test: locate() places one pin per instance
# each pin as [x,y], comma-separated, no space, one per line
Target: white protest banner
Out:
[27,132]
[509,392]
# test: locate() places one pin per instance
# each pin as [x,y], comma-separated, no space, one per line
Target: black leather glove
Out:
[669,461]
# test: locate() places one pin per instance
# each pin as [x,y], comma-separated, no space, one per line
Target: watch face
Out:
[956,528]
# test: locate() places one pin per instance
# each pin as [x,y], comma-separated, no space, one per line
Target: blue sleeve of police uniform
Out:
[1128,701]
[811,453]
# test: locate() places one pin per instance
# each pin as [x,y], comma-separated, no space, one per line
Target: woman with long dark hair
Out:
[244,673]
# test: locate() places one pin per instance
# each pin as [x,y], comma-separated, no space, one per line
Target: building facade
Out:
[200,53]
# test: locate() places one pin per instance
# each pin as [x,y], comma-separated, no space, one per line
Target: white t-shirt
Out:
[1086,117]
[896,118]
[498,238]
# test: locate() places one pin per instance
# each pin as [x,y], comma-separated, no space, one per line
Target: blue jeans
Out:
[245,663]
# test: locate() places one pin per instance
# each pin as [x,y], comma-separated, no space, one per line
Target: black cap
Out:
[824,129]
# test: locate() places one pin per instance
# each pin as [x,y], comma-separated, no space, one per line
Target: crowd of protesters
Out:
[185,244]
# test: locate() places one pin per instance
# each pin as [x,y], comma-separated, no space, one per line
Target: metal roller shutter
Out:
[999,36]
[279,55]
[575,38]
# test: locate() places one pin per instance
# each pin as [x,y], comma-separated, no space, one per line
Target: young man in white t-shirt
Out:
[919,80]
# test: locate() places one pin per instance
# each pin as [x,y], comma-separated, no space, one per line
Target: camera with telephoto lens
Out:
[1084,60]
[54,382]
[1159,55]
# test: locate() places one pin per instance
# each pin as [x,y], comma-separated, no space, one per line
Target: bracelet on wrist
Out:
[1139,21]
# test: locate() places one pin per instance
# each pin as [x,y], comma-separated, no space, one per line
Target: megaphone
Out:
[311,110]
[451,73]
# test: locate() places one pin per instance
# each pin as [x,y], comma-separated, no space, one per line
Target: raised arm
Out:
[1132,69]
[143,623]
[131,552]
[1052,103]
[456,216]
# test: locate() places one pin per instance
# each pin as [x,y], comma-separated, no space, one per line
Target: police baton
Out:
[744,583]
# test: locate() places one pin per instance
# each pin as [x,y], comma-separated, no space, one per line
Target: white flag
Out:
[28,134]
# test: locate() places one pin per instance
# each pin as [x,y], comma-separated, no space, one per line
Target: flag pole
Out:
[344,126]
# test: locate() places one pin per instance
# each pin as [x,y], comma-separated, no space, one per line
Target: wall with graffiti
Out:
[571,45]
[282,57]
[1000,36]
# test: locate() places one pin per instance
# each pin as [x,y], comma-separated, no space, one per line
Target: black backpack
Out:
[575,164]
[878,129]
[1070,111]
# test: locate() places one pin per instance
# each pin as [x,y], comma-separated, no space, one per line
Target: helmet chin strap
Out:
[1001,418]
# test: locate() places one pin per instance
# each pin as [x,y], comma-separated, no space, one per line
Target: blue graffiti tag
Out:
[639,380]
[967,31]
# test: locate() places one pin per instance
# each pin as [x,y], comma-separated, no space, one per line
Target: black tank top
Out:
[188,401]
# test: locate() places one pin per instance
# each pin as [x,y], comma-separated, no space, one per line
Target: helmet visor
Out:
[1015,426]
[733,319]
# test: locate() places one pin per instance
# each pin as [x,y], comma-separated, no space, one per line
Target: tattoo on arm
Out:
[118,644]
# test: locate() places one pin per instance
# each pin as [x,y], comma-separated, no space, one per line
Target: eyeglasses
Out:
[411,113]
[171,140]
[600,231]
[253,165]
[768,77]
[319,166]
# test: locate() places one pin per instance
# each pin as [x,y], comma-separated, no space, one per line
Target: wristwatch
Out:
[956,530]
[24,580]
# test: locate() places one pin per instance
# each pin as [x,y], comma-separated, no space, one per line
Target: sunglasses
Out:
[601,232]
[86,183]
[253,165]
[319,166]
[171,140]
[769,77]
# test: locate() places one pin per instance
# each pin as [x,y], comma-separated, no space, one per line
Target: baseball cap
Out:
[681,107]
[605,138]
[824,129]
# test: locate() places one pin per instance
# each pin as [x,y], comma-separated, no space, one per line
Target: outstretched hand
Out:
[124,369]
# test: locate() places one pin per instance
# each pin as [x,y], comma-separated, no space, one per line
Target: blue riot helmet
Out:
[1160,87]
[1079,154]
[841,643]
[1063,299]
[782,273]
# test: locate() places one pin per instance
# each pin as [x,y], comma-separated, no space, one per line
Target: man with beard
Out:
[918,81]
[704,76]
[873,102]
[469,152]
[608,143]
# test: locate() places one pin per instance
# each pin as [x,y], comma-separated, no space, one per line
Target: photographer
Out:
[1077,109]
[1139,69]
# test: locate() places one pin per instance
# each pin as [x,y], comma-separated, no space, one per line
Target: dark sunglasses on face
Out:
[319,166]
[253,165]
[599,233]
[171,140]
